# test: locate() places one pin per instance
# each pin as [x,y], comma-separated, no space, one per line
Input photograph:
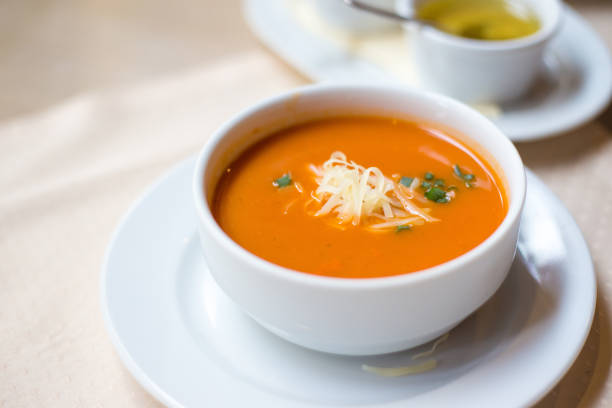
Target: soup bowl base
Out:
[371,350]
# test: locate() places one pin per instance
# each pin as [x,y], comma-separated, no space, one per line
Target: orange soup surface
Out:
[439,199]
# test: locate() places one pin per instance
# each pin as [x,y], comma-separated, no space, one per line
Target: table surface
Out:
[81,136]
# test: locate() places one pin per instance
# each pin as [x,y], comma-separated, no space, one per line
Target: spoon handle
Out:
[379,11]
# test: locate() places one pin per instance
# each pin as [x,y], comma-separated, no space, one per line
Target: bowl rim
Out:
[545,33]
[206,218]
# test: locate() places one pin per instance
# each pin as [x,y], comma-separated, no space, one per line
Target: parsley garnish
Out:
[463,176]
[283,181]
[406,181]
[401,228]
[437,195]
[439,183]
[429,176]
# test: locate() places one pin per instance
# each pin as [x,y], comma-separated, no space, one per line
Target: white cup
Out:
[357,316]
[338,14]
[481,70]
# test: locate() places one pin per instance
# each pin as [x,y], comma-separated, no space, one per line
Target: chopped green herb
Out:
[465,177]
[283,181]
[406,181]
[452,188]
[429,176]
[426,185]
[437,195]
[439,183]
[457,171]
[401,228]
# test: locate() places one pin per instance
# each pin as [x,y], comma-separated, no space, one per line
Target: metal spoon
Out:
[384,13]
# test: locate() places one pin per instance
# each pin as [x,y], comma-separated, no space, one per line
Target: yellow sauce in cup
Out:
[492,20]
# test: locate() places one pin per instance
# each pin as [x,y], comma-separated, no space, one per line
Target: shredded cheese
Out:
[355,194]
[425,366]
[433,348]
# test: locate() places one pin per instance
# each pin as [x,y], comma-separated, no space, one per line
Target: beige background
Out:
[99,98]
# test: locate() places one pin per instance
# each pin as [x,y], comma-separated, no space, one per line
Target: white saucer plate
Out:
[574,87]
[190,346]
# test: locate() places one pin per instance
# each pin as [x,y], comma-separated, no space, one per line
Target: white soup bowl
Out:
[358,316]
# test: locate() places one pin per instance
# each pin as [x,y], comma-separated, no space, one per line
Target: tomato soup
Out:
[359,197]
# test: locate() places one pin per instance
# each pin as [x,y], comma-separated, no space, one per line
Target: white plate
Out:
[574,87]
[189,346]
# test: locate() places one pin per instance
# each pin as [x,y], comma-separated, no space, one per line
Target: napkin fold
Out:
[69,174]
